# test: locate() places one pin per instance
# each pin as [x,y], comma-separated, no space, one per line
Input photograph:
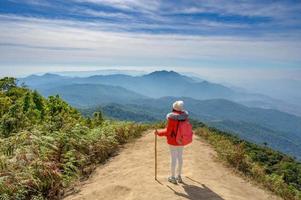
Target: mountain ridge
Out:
[79,95]
[166,83]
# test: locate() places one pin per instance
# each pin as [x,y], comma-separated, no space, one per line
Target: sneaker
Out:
[172,180]
[179,179]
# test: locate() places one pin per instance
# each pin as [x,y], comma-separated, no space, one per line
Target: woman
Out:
[176,150]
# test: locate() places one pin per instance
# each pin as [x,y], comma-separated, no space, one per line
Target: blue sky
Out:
[185,35]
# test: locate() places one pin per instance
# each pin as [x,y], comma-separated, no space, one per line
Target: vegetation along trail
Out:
[130,175]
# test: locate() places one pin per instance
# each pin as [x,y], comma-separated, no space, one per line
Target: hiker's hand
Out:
[156,132]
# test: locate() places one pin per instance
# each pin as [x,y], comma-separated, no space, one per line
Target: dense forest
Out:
[46,145]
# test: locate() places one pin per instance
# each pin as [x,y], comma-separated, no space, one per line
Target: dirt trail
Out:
[130,175]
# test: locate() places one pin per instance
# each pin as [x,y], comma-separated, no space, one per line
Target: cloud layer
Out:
[196,33]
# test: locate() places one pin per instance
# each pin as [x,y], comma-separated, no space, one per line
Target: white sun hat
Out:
[178,105]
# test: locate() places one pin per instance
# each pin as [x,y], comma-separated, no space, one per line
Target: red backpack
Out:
[184,133]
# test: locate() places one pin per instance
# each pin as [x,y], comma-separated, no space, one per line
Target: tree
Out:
[89,122]
[60,114]
[5,103]
[26,102]
[38,103]
[97,118]
[14,120]
[38,100]
[7,83]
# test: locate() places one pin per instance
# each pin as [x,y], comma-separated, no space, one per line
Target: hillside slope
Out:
[279,130]
[130,175]
[86,95]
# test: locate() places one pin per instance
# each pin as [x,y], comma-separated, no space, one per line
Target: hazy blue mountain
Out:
[165,83]
[87,95]
[193,76]
[123,112]
[100,72]
[287,90]
[221,109]
[155,85]
[272,104]
[44,81]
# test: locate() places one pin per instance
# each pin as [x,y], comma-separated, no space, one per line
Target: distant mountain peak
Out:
[163,73]
[50,75]
[32,76]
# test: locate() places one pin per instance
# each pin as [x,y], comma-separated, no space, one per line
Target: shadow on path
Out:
[195,192]
[158,181]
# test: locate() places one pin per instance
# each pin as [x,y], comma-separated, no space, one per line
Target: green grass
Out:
[38,164]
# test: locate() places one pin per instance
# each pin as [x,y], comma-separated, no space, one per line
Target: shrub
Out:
[279,173]
[46,145]
[41,164]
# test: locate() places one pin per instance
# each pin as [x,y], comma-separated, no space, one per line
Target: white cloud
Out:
[278,9]
[244,8]
[136,5]
[33,2]
[94,13]
[31,40]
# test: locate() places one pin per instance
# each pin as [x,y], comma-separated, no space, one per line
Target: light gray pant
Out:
[176,154]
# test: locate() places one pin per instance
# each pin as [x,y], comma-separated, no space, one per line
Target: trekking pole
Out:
[156,155]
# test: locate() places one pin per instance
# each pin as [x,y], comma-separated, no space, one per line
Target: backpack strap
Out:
[174,134]
[177,128]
